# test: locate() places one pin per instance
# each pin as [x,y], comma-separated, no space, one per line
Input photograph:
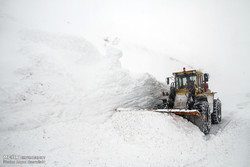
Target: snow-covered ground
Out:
[59,92]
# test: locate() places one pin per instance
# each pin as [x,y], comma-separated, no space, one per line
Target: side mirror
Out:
[167,80]
[206,76]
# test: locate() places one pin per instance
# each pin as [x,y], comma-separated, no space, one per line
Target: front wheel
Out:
[216,115]
[205,124]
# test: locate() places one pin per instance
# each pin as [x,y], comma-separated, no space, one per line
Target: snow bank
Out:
[55,77]
[126,139]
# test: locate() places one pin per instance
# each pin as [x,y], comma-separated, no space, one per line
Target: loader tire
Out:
[216,115]
[205,123]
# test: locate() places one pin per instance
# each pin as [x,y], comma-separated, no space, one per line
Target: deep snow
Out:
[58,98]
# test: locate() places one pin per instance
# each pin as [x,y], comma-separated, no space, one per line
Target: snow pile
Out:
[54,77]
[158,138]
[126,139]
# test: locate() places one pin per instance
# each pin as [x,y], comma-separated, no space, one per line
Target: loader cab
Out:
[185,79]
[194,78]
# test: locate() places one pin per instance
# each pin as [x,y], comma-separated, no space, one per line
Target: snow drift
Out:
[54,77]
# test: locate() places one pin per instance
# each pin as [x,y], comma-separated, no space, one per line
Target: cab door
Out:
[200,83]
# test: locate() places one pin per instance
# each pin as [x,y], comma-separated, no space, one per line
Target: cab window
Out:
[181,81]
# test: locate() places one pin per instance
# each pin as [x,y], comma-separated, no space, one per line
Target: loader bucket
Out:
[175,111]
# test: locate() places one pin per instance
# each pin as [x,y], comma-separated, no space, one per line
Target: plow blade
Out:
[181,112]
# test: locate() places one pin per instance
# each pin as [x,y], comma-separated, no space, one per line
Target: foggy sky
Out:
[210,34]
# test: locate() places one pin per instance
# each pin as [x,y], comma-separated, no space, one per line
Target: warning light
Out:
[184,69]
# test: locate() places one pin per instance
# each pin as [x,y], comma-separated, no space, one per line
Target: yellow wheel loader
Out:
[190,97]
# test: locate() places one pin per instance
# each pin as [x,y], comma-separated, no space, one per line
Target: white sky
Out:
[210,34]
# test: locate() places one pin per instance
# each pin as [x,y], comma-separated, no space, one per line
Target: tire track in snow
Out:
[218,127]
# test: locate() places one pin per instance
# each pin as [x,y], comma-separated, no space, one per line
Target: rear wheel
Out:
[205,123]
[216,115]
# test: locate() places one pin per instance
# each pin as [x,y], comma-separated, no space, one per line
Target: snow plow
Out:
[189,97]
